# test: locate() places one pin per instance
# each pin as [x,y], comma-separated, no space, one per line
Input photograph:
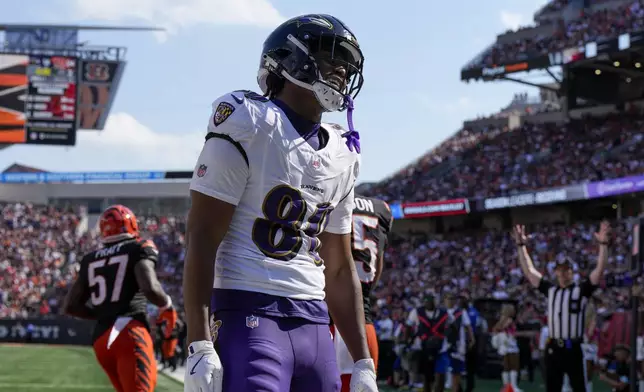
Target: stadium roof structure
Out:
[603,70]
[6,26]
[18,168]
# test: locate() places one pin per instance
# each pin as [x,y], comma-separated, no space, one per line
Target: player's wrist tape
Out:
[168,303]
[605,243]
[200,346]
[365,364]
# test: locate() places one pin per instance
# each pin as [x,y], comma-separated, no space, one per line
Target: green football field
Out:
[66,368]
[58,369]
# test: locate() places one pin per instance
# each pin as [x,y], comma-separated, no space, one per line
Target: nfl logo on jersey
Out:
[252,322]
[202,170]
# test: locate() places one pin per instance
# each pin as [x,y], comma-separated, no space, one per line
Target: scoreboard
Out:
[38,95]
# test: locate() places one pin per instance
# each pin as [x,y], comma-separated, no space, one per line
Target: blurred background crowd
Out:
[562,32]
[42,250]
[488,162]
[42,244]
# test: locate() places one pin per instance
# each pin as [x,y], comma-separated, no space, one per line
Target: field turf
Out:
[71,369]
[58,369]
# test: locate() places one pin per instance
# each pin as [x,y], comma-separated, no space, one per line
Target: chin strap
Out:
[353,137]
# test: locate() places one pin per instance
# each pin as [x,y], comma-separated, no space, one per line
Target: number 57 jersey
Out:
[114,290]
[286,193]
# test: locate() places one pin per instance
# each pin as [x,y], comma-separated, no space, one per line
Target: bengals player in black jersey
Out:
[372,222]
[112,287]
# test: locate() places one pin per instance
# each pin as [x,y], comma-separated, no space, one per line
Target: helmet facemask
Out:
[307,60]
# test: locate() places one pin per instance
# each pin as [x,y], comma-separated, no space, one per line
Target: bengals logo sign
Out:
[97,72]
[96,91]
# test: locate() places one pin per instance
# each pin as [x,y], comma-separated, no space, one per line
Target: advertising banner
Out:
[547,196]
[584,51]
[57,330]
[79,177]
[396,211]
[99,82]
[427,209]
[496,71]
[617,186]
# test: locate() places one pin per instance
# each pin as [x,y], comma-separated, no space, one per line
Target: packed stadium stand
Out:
[42,246]
[556,29]
[42,243]
[497,161]
[531,163]
[475,257]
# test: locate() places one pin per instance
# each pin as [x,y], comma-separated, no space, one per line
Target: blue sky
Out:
[412,98]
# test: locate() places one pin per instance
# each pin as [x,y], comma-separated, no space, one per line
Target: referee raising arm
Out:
[566,311]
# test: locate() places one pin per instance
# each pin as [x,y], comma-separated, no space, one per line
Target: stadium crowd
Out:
[42,245]
[495,162]
[522,104]
[484,265]
[589,26]
[41,254]
[41,250]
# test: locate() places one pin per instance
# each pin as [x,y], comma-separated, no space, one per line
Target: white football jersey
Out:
[286,193]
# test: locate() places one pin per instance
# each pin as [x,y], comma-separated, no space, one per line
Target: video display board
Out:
[38,95]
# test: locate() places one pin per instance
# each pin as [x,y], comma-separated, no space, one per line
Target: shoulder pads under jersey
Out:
[147,243]
[333,127]
[147,250]
[234,114]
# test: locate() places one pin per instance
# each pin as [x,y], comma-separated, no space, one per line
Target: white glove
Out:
[204,372]
[363,378]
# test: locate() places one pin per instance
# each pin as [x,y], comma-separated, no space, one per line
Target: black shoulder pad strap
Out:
[235,143]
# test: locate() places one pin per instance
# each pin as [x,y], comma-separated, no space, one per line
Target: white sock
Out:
[514,376]
[641,385]
[505,376]
[589,386]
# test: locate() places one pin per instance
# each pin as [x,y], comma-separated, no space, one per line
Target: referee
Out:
[566,310]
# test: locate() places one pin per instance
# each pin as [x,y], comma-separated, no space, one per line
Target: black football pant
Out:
[386,358]
[564,358]
[471,360]
[526,362]
[426,366]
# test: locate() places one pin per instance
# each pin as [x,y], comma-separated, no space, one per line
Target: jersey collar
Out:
[305,128]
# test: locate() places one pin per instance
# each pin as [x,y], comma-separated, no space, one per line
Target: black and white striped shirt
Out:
[567,308]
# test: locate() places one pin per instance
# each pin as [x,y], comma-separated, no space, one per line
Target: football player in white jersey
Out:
[269,229]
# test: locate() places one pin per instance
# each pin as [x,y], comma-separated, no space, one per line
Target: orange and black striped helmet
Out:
[118,223]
